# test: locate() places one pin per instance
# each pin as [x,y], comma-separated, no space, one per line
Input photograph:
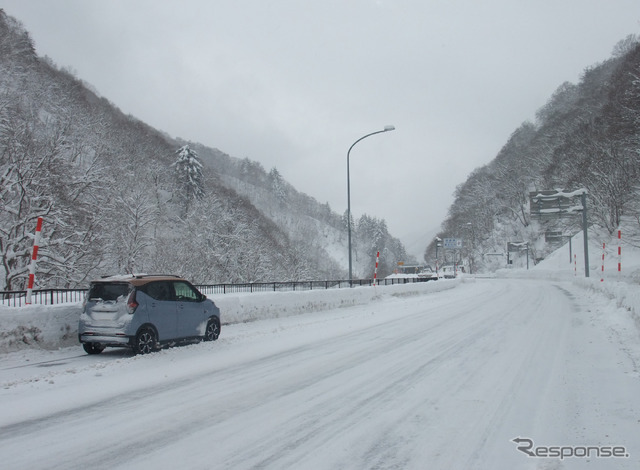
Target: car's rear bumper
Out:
[107,340]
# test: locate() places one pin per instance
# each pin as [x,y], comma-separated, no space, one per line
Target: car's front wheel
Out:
[146,341]
[213,330]
[93,348]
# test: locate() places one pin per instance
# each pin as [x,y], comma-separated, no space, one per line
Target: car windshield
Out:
[108,291]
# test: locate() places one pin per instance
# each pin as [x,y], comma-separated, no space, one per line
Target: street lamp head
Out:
[389,128]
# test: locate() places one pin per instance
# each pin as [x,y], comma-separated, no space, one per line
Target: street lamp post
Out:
[438,244]
[386,129]
[471,246]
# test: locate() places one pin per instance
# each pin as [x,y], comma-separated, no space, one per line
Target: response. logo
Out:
[527,447]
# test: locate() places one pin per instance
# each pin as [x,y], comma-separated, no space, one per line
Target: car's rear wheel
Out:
[93,348]
[146,341]
[213,330]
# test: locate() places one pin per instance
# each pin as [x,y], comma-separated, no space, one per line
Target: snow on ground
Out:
[53,327]
[440,375]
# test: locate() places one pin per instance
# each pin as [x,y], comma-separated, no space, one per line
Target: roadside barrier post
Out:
[34,256]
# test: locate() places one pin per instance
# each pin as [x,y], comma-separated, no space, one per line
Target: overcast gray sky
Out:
[293,83]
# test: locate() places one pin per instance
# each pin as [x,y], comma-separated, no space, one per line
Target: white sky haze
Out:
[293,84]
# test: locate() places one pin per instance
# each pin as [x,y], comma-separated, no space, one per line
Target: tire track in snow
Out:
[328,417]
[323,388]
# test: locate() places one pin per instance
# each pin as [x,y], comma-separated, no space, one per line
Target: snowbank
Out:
[53,327]
[621,288]
[39,326]
[623,294]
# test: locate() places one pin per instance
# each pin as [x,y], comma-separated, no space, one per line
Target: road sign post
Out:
[453,244]
[547,204]
[518,247]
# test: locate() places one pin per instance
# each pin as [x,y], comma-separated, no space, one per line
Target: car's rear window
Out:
[108,291]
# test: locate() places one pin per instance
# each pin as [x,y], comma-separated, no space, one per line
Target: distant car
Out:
[145,312]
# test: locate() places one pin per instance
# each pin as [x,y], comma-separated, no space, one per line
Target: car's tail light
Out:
[131,302]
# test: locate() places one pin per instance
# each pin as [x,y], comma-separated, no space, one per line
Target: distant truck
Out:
[450,271]
[427,274]
[421,272]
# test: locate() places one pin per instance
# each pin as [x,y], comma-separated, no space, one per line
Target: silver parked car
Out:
[145,312]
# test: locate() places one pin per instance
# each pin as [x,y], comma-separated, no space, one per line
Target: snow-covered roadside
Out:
[54,327]
[443,380]
[620,287]
[623,295]
[615,306]
[613,296]
[39,326]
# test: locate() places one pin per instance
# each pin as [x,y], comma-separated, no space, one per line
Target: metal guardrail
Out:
[18,298]
[59,296]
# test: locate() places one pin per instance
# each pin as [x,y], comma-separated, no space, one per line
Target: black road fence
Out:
[59,296]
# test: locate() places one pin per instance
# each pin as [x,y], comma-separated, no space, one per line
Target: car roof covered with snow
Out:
[138,279]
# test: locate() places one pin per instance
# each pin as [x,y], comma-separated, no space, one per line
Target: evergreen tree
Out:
[277,186]
[188,171]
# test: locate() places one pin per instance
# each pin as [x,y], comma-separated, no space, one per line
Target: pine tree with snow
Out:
[188,171]
[277,186]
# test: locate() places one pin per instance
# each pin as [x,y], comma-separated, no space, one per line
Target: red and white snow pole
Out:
[375,273]
[619,251]
[602,272]
[34,256]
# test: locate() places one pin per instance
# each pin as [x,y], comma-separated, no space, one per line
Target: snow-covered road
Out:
[438,381]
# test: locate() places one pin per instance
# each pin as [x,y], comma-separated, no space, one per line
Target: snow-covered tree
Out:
[133,217]
[188,171]
[277,185]
[37,179]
